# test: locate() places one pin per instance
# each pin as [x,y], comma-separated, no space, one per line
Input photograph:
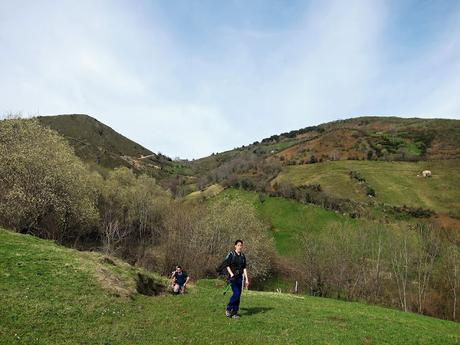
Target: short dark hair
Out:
[238,241]
[178,267]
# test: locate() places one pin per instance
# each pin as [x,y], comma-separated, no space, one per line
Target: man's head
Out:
[178,268]
[238,246]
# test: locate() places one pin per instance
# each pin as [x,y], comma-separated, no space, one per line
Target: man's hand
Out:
[246,283]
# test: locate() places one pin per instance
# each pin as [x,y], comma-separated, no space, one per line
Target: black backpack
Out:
[222,268]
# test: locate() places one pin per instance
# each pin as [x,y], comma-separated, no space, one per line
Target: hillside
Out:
[288,219]
[100,145]
[347,161]
[362,138]
[394,183]
[384,138]
[387,138]
[46,288]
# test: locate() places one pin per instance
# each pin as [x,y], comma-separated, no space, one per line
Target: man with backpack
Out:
[179,279]
[235,263]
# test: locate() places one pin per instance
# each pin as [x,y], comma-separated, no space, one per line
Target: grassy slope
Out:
[49,296]
[289,218]
[395,183]
[91,138]
[209,192]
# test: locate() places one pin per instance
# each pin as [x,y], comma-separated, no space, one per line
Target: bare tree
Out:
[400,263]
[452,274]
[113,235]
[378,251]
[428,248]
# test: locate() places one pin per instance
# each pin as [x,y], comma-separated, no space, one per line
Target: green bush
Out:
[45,189]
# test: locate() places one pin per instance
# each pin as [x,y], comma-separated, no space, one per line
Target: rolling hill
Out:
[385,154]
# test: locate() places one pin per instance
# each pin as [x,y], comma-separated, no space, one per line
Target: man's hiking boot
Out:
[235,316]
[228,313]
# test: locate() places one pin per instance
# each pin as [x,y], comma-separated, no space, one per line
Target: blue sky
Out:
[188,78]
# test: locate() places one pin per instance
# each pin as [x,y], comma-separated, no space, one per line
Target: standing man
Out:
[236,268]
[179,280]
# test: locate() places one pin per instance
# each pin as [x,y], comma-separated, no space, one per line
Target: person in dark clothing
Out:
[237,273]
[179,279]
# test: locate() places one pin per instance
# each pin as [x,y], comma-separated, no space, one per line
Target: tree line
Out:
[413,267]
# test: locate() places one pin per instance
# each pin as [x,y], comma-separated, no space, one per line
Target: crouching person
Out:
[179,280]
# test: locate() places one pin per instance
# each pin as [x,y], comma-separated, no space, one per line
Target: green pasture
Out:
[51,295]
[395,183]
[289,219]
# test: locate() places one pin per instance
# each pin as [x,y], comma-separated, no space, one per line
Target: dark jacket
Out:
[236,262]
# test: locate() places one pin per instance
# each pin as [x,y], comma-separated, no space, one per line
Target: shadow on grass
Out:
[255,310]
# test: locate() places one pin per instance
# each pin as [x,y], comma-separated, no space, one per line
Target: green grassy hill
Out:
[395,183]
[289,219]
[53,295]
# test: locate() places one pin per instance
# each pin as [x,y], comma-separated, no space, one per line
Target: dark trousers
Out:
[234,303]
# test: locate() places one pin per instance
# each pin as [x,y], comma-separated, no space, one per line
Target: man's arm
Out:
[229,262]
[246,279]
[229,270]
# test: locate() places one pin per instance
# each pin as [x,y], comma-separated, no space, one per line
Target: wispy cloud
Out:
[188,79]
